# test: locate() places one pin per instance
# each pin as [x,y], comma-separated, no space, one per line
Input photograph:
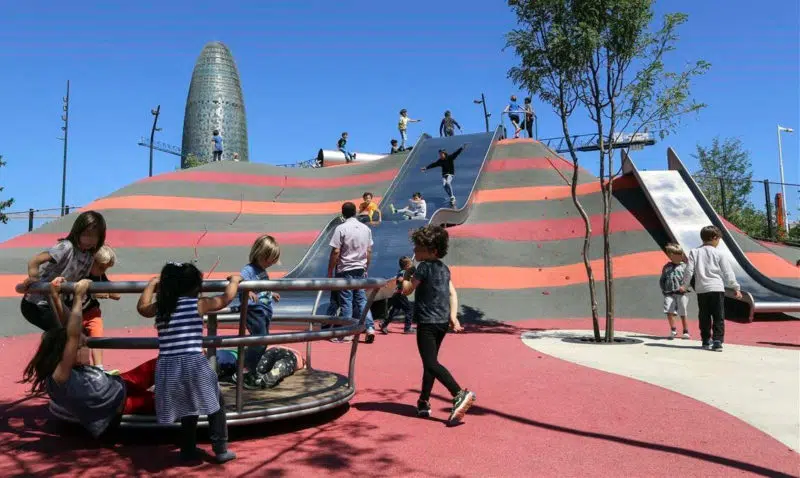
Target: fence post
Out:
[722,197]
[768,204]
[30,219]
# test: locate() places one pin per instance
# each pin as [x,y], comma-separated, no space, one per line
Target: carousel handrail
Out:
[130,287]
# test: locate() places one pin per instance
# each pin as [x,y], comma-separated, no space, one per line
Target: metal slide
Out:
[391,236]
[683,210]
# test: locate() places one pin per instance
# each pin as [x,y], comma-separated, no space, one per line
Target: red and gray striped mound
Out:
[210,213]
[519,254]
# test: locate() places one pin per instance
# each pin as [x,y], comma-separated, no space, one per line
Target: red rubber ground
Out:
[535,416]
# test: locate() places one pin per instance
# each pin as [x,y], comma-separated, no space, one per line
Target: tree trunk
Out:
[587,231]
[607,263]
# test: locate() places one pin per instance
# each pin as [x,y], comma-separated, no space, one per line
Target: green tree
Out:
[602,57]
[729,161]
[192,161]
[4,203]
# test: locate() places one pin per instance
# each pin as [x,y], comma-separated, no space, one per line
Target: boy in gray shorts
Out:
[675,301]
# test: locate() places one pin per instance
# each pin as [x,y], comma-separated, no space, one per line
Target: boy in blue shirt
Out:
[216,139]
[264,253]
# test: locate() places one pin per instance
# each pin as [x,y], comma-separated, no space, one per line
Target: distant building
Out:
[215,101]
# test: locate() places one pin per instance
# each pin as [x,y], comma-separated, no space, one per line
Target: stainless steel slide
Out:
[683,210]
[391,235]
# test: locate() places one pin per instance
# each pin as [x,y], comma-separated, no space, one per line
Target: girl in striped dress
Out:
[185,385]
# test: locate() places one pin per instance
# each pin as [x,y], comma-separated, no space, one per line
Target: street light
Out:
[65,129]
[155,113]
[486,115]
[780,165]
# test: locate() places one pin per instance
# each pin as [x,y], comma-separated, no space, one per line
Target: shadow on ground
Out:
[474,321]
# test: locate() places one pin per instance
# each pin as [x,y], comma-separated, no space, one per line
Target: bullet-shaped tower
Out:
[215,102]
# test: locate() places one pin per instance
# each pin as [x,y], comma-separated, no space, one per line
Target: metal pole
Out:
[722,196]
[311,329]
[65,118]
[240,358]
[768,203]
[212,351]
[155,113]
[783,187]
[30,219]
[485,113]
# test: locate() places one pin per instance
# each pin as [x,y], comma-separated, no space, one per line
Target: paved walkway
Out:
[759,385]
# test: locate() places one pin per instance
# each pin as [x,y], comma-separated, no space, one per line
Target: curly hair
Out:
[433,238]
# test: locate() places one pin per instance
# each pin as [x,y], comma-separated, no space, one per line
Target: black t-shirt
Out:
[342,142]
[432,297]
[447,165]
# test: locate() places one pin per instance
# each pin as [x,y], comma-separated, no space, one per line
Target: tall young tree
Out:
[602,56]
[4,203]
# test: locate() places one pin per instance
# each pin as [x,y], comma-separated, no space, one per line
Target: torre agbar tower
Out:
[215,102]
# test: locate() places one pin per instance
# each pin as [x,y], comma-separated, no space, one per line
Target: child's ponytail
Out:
[177,280]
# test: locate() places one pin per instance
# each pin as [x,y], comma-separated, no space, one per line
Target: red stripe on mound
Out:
[277,181]
[119,238]
[552,229]
[517,164]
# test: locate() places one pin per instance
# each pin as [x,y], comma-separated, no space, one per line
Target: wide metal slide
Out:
[683,210]
[391,235]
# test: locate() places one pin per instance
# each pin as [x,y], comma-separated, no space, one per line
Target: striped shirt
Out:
[184,332]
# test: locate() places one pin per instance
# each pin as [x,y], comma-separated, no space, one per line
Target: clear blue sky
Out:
[312,69]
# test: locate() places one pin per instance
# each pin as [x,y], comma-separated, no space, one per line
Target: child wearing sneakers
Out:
[399,302]
[416,209]
[675,301]
[435,308]
[712,273]
[264,253]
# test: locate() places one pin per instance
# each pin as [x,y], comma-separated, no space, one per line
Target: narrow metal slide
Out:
[683,210]
[391,235]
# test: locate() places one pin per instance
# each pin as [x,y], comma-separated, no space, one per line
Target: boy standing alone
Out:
[712,273]
[216,140]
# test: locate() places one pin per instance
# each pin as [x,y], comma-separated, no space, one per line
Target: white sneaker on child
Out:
[672,334]
[686,335]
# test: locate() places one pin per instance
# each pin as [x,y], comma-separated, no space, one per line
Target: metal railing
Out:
[342,327]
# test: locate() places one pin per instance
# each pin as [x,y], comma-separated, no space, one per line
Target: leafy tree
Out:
[729,161]
[4,203]
[192,161]
[601,56]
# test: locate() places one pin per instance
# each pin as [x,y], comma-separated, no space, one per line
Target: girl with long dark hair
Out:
[186,386]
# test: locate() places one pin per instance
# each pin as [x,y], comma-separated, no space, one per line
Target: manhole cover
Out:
[590,340]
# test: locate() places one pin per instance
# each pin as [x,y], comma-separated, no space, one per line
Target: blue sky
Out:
[312,69]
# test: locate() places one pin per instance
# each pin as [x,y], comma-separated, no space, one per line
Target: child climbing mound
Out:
[435,308]
[186,386]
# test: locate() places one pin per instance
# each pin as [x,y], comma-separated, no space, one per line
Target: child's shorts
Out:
[93,322]
[676,304]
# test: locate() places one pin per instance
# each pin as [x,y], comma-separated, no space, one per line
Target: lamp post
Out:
[155,114]
[65,129]
[780,165]
[486,115]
